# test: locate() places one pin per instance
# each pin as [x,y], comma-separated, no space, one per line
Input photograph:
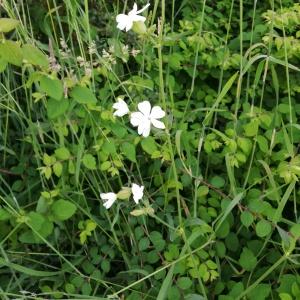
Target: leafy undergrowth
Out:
[149,152]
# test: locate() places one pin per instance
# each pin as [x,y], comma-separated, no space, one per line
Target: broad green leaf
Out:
[247,218]
[285,296]
[62,153]
[56,108]
[7,24]
[3,64]
[184,283]
[89,161]
[247,260]
[295,231]
[217,181]
[144,243]
[4,214]
[174,60]
[263,228]
[52,87]
[11,52]
[36,220]
[245,144]
[83,95]
[129,151]
[260,292]
[63,209]
[149,145]
[57,168]
[262,143]
[251,128]
[34,56]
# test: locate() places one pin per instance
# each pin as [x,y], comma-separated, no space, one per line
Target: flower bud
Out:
[139,27]
[124,193]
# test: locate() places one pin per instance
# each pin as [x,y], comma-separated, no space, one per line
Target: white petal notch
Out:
[109,199]
[121,108]
[137,192]
[145,117]
[126,21]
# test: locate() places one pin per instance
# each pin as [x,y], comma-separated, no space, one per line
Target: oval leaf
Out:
[7,25]
[63,210]
[83,95]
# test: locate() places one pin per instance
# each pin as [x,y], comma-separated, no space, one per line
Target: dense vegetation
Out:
[218,216]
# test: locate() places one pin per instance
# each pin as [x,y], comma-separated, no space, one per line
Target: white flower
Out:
[109,199]
[126,21]
[121,108]
[137,192]
[145,117]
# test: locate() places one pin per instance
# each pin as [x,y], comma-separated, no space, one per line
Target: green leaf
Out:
[152,257]
[184,283]
[7,24]
[4,214]
[3,64]
[52,87]
[56,108]
[285,296]
[260,292]
[144,243]
[262,143]
[57,168]
[174,60]
[34,56]
[129,151]
[36,220]
[245,144]
[263,228]
[247,260]
[217,181]
[48,172]
[63,209]
[251,128]
[247,218]
[89,161]
[11,52]
[295,231]
[149,145]
[173,293]
[105,266]
[62,153]
[83,95]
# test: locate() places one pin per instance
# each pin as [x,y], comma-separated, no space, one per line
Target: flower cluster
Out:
[110,198]
[142,119]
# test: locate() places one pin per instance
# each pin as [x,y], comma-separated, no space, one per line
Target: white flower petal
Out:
[108,203]
[157,113]
[136,118]
[137,18]
[121,108]
[145,108]
[147,127]
[144,127]
[122,21]
[108,198]
[134,10]
[144,8]
[158,124]
[121,18]
[129,24]
[137,192]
